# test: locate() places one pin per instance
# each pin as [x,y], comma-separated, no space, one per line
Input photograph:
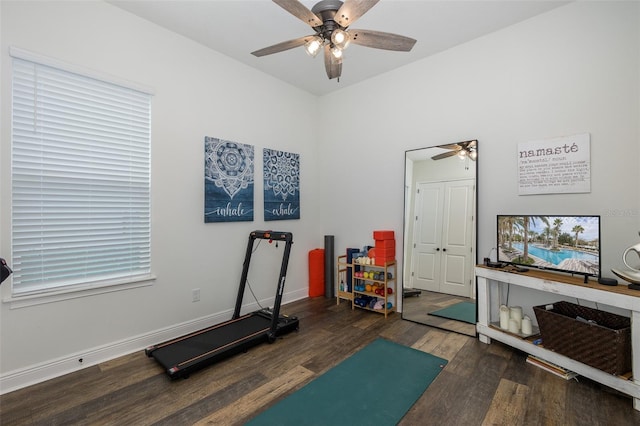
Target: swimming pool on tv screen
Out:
[556,257]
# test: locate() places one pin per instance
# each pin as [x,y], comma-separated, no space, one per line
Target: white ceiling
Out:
[238,27]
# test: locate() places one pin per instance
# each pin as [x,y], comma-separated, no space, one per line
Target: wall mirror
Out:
[440,236]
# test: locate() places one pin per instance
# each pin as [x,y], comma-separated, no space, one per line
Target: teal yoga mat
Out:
[375,386]
[462,311]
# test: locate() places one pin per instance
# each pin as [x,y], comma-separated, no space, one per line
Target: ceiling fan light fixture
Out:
[473,154]
[336,52]
[462,153]
[340,38]
[313,46]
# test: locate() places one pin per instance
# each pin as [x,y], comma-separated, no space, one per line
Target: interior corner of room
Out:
[427,149]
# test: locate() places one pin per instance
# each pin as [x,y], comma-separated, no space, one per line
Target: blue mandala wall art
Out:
[281,185]
[228,181]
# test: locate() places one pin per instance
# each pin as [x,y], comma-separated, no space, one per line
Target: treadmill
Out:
[196,350]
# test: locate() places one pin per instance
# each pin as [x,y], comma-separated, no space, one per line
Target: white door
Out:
[457,233]
[442,260]
[427,232]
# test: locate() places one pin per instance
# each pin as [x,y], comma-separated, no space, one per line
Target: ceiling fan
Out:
[331,19]
[466,149]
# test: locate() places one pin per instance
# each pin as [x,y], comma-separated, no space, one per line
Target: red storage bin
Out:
[316,272]
[383,235]
[389,253]
[385,244]
[381,261]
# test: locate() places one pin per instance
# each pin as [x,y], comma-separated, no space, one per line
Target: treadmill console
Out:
[272,235]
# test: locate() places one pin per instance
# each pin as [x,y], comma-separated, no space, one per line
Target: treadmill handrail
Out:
[265,235]
[280,289]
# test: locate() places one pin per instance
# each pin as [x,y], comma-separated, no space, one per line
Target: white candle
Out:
[526,325]
[513,326]
[516,314]
[504,317]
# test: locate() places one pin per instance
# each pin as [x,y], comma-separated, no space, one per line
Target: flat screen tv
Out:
[568,244]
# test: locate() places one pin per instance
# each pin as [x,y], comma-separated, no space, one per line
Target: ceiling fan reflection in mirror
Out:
[466,149]
[331,19]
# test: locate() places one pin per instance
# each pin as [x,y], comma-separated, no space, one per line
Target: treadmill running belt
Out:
[210,342]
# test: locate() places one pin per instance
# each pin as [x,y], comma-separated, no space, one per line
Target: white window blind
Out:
[80,180]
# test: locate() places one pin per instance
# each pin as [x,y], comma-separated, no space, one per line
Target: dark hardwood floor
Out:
[481,384]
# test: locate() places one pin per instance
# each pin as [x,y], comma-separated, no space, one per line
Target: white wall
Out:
[572,70]
[198,93]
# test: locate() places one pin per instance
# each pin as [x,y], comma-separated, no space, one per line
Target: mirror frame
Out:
[408,237]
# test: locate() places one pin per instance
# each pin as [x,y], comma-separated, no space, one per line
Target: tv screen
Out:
[561,243]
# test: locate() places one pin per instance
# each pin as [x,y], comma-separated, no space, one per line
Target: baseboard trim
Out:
[38,373]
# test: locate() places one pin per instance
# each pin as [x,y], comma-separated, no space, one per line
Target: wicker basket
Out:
[605,344]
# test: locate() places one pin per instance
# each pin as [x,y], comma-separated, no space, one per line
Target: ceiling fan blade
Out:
[300,11]
[280,47]
[331,64]
[444,155]
[467,144]
[453,146]
[352,10]
[381,40]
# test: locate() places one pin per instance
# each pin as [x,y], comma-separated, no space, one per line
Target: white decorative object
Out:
[527,328]
[513,326]
[504,317]
[632,274]
[516,314]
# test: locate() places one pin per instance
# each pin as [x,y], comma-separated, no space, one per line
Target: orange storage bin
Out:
[381,261]
[383,235]
[389,253]
[316,272]
[385,244]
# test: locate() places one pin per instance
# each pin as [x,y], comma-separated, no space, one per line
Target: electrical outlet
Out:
[195,295]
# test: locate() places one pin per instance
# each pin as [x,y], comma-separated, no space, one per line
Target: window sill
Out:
[59,295]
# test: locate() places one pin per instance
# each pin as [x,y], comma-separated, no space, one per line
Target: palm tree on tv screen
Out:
[547,235]
[507,227]
[527,220]
[577,230]
[557,224]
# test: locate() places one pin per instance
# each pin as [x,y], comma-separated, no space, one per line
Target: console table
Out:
[491,279]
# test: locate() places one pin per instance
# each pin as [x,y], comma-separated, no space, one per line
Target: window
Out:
[80,212]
